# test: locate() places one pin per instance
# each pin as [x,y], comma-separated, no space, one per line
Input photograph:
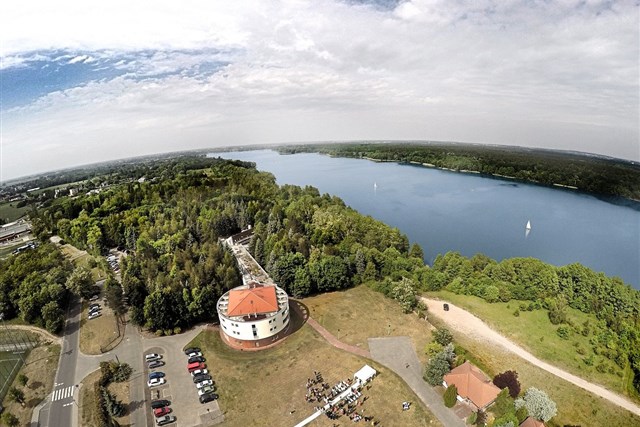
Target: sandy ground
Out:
[468,324]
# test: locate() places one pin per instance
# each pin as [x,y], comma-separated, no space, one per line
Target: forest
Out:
[597,175]
[176,269]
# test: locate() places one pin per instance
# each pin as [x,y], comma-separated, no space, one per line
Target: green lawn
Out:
[534,332]
[269,384]
[9,212]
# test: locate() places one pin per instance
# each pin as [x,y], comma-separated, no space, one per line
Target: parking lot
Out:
[179,389]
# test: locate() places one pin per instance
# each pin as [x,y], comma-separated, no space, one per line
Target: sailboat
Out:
[528,226]
[375,186]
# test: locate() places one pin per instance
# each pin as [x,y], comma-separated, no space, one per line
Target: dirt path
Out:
[468,324]
[39,331]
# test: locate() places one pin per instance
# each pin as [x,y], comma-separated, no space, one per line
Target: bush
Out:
[450,396]
[516,313]
[563,332]
[508,379]
[177,330]
[9,419]
[442,336]
[538,404]
[23,379]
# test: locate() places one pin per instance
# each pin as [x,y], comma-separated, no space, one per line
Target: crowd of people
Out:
[318,391]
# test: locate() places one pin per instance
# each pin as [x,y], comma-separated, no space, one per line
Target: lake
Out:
[468,213]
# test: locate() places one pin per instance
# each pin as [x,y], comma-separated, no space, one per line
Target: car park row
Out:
[161,408]
[201,378]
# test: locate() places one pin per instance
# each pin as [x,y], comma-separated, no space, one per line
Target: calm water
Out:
[448,211]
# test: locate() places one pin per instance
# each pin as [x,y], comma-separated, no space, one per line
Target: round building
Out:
[253,315]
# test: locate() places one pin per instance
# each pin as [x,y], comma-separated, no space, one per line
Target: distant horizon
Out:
[81,83]
[271,146]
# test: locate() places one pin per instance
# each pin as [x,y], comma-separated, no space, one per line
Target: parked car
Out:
[194,354]
[155,364]
[95,310]
[199,372]
[196,359]
[445,306]
[152,356]
[154,382]
[191,350]
[94,315]
[207,389]
[167,419]
[194,366]
[204,383]
[94,305]
[201,377]
[95,297]
[160,403]
[161,412]
[208,397]
[157,374]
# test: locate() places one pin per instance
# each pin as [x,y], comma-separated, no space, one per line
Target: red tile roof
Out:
[472,384]
[256,300]
[531,422]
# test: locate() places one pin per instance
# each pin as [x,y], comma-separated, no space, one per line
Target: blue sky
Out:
[81,82]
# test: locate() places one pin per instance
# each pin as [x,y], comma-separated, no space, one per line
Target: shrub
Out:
[442,336]
[16,395]
[516,313]
[23,379]
[433,348]
[9,419]
[563,332]
[538,404]
[177,330]
[450,396]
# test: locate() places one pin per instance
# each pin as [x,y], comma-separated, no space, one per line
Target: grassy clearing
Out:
[261,388]
[98,333]
[87,401]
[81,259]
[360,313]
[533,331]
[575,405]
[9,212]
[40,369]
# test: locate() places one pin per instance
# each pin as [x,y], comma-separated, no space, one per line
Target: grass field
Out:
[40,369]
[534,332]
[98,333]
[9,212]
[359,313]
[262,388]
[87,401]
[81,259]
[575,405]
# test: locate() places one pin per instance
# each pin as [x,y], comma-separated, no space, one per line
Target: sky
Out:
[82,82]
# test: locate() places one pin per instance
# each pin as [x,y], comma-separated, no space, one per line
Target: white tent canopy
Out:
[365,374]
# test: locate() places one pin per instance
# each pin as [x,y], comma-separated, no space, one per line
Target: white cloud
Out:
[562,74]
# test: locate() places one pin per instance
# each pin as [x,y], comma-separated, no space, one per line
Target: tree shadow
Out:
[35,384]
[136,404]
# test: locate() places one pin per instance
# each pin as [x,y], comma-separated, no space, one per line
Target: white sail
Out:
[375,185]
[528,227]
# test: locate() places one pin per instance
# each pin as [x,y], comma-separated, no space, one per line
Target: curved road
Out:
[468,324]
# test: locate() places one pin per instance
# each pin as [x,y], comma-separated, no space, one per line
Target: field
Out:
[575,405]
[9,212]
[87,401]
[268,387]
[81,258]
[40,369]
[360,313]
[533,331]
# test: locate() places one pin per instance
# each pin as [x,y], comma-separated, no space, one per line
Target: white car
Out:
[204,383]
[151,357]
[205,390]
[154,382]
[94,315]
[199,371]
[194,354]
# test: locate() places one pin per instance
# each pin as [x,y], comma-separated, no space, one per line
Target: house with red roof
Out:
[472,385]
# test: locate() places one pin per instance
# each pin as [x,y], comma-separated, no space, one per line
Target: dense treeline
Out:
[615,336]
[34,286]
[588,173]
[177,269]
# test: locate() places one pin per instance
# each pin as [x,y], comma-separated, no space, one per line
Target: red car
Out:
[196,365]
[159,412]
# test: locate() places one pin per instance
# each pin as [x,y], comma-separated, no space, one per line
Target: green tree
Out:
[113,293]
[405,293]
[23,379]
[80,282]
[16,395]
[450,396]
[53,317]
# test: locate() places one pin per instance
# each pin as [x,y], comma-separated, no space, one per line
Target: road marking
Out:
[62,393]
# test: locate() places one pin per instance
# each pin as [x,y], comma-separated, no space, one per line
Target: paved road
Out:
[470,325]
[62,411]
[396,353]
